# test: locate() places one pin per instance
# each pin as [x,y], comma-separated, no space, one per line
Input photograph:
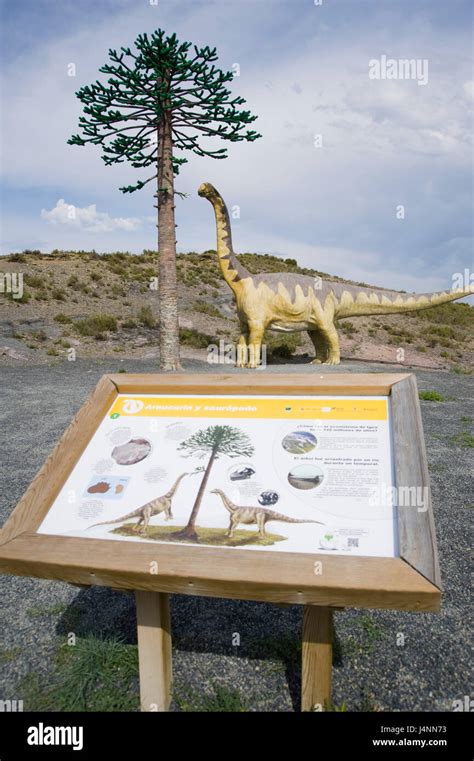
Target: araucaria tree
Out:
[212,442]
[160,97]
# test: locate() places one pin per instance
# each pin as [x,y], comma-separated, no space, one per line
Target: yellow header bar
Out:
[290,408]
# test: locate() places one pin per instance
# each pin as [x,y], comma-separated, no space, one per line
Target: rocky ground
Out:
[371,671]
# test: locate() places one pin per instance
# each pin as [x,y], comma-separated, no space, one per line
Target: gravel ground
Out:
[371,672]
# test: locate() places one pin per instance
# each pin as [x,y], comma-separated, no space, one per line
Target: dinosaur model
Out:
[289,302]
[145,512]
[250,515]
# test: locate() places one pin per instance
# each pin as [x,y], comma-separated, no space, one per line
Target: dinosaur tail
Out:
[230,266]
[133,514]
[286,519]
[367,301]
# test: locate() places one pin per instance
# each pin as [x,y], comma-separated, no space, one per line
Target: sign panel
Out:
[259,472]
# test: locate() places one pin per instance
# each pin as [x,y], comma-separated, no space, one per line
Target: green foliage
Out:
[214,537]
[367,634]
[348,327]
[206,308]
[192,337]
[33,281]
[97,674]
[63,319]
[39,335]
[123,115]
[23,299]
[96,325]
[145,317]
[223,699]
[221,439]
[457,315]
[282,346]
[431,396]
[9,655]
[464,440]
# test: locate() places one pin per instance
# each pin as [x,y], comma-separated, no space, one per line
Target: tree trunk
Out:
[189,532]
[167,283]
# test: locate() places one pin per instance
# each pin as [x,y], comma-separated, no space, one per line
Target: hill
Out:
[103,305]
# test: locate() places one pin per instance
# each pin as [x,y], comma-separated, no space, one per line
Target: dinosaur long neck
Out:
[230,266]
[171,492]
[227,503]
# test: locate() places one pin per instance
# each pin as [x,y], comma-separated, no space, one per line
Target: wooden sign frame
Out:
[408,582]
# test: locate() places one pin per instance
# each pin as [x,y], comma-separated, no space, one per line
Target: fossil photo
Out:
[132,452]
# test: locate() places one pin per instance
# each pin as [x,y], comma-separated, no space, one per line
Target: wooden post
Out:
[316,658]
[154,650]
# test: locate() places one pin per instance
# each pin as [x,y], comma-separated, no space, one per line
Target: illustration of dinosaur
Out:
[289,302]
[145,512]
[250,515]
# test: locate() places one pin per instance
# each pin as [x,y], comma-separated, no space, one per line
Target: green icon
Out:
[115,415]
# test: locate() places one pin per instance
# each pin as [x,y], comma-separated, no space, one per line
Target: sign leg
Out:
[316,658]
[154,650]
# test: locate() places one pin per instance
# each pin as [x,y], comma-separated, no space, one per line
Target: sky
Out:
[340,152]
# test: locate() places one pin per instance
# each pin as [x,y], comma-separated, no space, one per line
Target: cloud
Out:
[304,71]
[88,218]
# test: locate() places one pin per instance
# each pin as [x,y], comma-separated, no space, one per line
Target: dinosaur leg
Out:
[326,344]
[257,330]
[232,527]
[137,525]
[242,346]
[146,521]
[168,514]
[261,525]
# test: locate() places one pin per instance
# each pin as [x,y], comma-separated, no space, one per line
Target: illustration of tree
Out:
[161,97]
[215,441]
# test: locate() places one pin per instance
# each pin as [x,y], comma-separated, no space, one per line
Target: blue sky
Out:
[304,72]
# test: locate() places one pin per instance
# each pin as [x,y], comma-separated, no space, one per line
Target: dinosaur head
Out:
[216,491]
[206,190]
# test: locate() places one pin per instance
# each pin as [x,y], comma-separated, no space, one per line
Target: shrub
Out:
[347,327]
[72,281]
[62,318]
[39,335]
[34,281]
[23,299]
[145,317]
[96,325]
[282,346]
[205,308]
[192,337]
